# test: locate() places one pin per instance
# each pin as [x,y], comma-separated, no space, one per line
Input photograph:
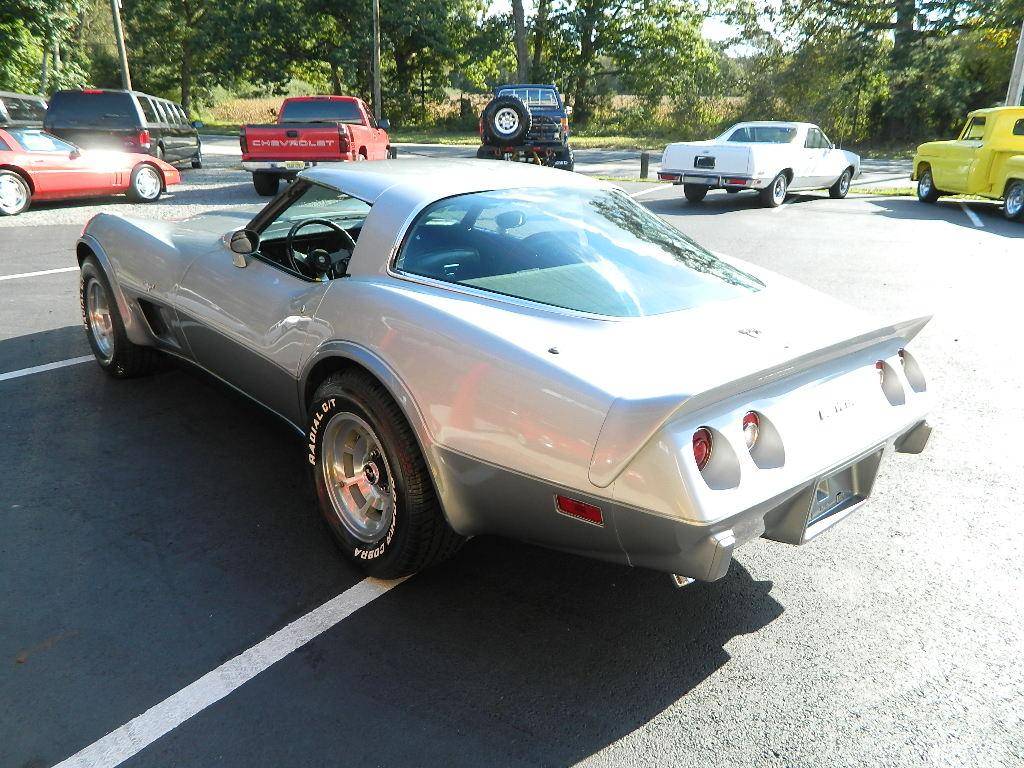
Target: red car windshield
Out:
[34,140]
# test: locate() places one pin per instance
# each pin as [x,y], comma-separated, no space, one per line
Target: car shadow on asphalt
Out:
[949,210]
[717,203]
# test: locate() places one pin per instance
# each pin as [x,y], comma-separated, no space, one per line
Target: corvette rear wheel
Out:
[372,484]
[104,327]
[147,184]
[15,195]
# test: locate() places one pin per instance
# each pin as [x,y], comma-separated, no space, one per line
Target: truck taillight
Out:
[241,142]
[141,140]
[565,124]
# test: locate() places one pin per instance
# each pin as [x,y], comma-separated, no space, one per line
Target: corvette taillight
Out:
[702,446]
[751,428]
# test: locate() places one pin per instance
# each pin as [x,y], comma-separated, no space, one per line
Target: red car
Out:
[37,166]
[311,130]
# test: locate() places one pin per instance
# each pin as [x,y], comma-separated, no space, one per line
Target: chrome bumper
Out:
[277,166]
[712,179]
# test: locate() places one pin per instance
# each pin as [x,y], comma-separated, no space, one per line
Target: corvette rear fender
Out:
[335,355]
[134,325]
[630,424]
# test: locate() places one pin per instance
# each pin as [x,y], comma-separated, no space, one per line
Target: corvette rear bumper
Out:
[480,498]
[795,516]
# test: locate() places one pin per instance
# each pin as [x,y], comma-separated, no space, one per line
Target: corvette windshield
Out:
[594,251]
[317,202]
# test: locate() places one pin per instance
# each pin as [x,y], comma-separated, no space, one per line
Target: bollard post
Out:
[645,163]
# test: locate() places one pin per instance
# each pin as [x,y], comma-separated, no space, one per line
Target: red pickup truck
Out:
[311,130]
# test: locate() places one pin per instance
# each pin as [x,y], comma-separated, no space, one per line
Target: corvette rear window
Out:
[594,251]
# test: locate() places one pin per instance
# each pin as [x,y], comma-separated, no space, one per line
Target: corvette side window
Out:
[39,141]
[3,146]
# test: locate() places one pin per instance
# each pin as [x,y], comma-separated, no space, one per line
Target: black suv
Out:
[529,123]
[19,109]
[125,120]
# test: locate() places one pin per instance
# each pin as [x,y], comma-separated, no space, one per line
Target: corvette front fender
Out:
[134,326]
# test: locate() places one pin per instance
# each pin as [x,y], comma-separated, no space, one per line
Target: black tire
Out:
[123,360]
[197,158]
[419,535]
[927,192]
[565,160]
[139,193]
[14,186]
[160,154]
[695,193]
[507,121]
[841,188]
[266,184]
[483,152]
[774,194]
[1013,201]
[731,190]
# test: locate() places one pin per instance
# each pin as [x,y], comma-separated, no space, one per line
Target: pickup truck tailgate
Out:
[721,158]
[300,141]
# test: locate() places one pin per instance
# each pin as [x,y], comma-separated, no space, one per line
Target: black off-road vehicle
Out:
[526,123]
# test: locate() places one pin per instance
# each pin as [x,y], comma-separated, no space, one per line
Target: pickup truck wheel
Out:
[1013,208]
[484,152]
[15,195]
[266,184]
[695,193]
[146,184]
[565,160]
[104,327]
[841,188]
[372,484]
[926,190]
[774,194]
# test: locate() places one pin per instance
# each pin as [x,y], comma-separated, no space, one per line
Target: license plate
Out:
[709,180]
[295,165]
[705,161]
[842,490]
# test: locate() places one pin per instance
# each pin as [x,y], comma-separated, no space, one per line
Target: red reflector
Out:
[702,445]
[736,182]
[579,509]
[91,91]
[668,176]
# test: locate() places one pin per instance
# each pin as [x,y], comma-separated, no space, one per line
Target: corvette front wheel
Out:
[104,327]
[372,484]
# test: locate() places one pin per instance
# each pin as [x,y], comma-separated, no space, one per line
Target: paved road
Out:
[153,529]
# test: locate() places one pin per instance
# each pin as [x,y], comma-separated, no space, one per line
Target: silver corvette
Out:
[473,347]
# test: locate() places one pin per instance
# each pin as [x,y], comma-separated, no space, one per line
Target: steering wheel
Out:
[297,257]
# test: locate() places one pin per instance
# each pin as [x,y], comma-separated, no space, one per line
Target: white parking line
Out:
[975,219]
[643,192]
[40,272]
[43,368]
[135,735]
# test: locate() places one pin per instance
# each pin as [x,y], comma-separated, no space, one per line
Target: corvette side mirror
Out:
[75,153]
[243,243]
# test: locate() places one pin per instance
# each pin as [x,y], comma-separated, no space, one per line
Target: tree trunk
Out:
[522,58]
[186,79]
[540,31]
[583,103]
[336,78]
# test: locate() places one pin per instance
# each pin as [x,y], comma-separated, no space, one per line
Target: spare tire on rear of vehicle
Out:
[506,121]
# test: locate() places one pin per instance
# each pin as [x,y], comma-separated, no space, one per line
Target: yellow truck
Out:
[986,160]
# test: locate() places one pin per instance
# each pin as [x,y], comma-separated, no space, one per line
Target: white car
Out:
[772,157]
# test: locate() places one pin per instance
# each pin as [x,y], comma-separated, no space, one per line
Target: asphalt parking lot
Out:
[157,528]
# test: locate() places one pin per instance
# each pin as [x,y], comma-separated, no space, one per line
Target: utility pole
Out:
[1013,93]
[376,59]
[126,78]
[44,73]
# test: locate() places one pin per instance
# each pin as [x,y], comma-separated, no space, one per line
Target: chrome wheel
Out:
[13,194]
[506,122]
[924,184]
[844,183]
[357,477]
[779,190]
[97,311]
[147,183]
[1015,201]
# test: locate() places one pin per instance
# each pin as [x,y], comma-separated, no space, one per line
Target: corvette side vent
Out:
[153,317]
